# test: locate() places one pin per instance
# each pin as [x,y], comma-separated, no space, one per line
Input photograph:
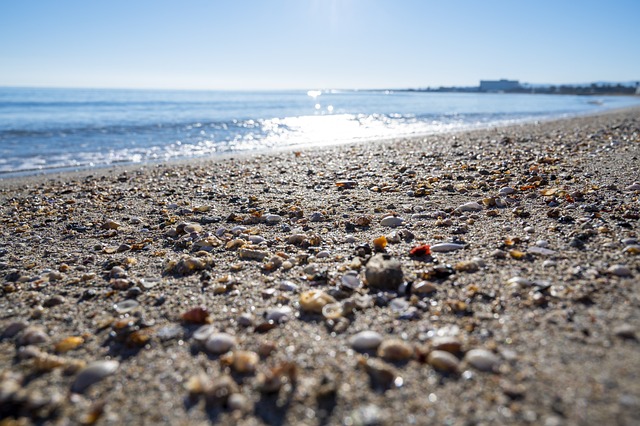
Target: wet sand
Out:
[233,290]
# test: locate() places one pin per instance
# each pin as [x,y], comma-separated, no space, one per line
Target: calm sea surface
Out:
[50,129]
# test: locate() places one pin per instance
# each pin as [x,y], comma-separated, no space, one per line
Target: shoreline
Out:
[525,312]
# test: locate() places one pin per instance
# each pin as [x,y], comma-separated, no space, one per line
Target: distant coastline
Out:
[514,86]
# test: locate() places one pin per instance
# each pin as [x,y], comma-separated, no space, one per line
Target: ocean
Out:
[45,130]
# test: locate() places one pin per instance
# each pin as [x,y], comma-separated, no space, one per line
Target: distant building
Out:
[499,85]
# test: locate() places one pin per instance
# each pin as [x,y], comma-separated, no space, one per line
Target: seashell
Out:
[395,350]
[392,221]
[197,315]
[542,251]
[218,343]
[445,247]
[444,362]
[203,332]
[315,300]
[365,341]
[332,310]
[519,282]
[243,362]
[469,207]
[93,373]
[506,190]
[33,335]
[68,344]
[351,280]
[482,359]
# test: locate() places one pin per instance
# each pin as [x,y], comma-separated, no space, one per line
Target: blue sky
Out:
[303,44]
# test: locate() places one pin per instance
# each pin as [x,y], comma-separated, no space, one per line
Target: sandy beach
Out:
[486,277]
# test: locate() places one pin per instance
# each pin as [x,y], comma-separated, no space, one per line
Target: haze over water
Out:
[50,129]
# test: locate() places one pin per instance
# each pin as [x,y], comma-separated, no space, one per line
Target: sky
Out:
[315,44]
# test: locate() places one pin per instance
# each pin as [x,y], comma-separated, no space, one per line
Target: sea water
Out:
[45,130]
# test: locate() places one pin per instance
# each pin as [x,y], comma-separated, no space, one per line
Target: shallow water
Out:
[49,129]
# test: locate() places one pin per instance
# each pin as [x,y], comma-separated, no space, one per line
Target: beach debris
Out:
[384,273]
[482,359]
[314,300]
[443,361]
[219,343]
[392,221]
[420,251]
[93,373]
[395,350]
[446,247]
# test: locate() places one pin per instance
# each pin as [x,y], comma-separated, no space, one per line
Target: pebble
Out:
[443,361]
[469,207]
[203,332]
[619,270]
[383,272]
[317,217]
[273,219]
[218,343]
[395,350]
[482,359]
[256,239]
[289,286]
[633,187]
[449,344]
[446,247]
[13,328]
[392,221]
[93,373]
[519,282]
[423,287]
[323,254]
[365,341]
[351,280]
[506,190]
[315,300]
[33,335]
[279,315]
[632,249]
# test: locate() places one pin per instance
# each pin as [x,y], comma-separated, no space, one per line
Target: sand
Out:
[137,265]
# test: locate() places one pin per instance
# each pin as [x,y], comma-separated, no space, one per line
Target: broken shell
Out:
[68,344]
[197,315]
[93,373]
[244,362]
[392,221]
[315,300]
[332,310]
[445,247]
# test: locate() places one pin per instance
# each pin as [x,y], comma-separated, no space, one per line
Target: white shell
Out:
[444,247]
[93,373]
[470,207]
[392,221]
[365,340]
[506,190]
[219,343]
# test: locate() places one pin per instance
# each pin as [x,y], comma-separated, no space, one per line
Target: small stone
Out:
[449,344]
[13,328]
[633,187]
[446,247]
[273,219]
[365,341]
[482,359]
[541,251]
[625,331]
[218,343]
[443,361]
[279,315]
[317,217]
[110,224]
[33,335]
[395,350]
[619,270]
[203,332]
[392,221]
[315,300]
[125,306]
[384,273]
[506,190]
[424,287]
[93,373]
